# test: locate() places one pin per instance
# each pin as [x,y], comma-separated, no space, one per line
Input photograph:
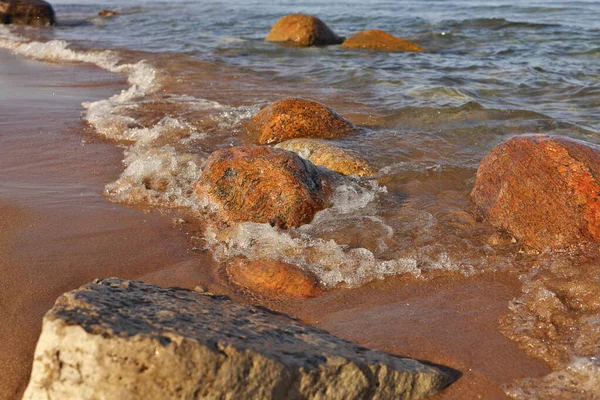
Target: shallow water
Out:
[196,71]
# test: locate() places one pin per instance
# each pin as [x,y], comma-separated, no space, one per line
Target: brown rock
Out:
[26,12]
[323,154]
[273,279]
[303,30]
[108,13]
[298,118]
[379,40]
[265,185]
[542,189]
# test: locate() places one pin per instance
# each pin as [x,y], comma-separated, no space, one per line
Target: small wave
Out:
[498,24]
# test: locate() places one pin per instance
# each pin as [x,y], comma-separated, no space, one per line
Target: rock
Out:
[116,339]
[272,279]
[544,190]
[265,185]
[107,13]
[26,12]
[379,40]
[323,154]
[303,30]
[298,118]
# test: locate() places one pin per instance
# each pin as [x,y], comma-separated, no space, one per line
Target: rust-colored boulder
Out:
[323,154]
[265,185]
[379,40]
[272,279]
[26,12]
[303,30]
[298,118]
[107,13]
[545,190]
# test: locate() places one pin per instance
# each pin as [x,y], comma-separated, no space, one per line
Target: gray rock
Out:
[26,12]
[116,339]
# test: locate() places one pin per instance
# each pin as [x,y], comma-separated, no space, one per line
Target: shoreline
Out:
[107,239]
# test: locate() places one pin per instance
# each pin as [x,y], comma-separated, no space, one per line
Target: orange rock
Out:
[298,118]
[107,13]
[543,189]
[26,12]
[326,155]
[273,279]
[265,185]
[379,40]
[303,30]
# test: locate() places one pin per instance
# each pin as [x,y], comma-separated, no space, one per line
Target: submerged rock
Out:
[542,189]
[272,278]
[323,154]
[298,118]
[379,40]
[107,13]
[26,12]
[303,30]
[265,185]
[116,339]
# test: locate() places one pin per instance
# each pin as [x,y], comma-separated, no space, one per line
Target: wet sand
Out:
[57,232]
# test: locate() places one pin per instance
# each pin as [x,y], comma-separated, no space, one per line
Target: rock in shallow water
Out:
[379,40]
[303,30]
[117,339]
[265,185]
[298,118]
[545,190]
[26,12]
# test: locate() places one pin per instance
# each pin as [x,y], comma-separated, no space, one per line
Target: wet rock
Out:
[542,189]
[272,279]
[379,40]
[265,185]
[116,339]
[298,118]
[323,154]
[107,13]
[303,30]
[26,12]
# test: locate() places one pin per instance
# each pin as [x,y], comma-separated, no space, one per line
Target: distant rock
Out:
[544,190]
[303,30]
[379,40]
[324,154]
[116,339]
[298,118]
[107,13]
[272,279]
[26,12]
[265,185]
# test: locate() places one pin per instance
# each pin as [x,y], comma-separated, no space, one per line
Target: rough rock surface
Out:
[265,185]
[380,40]
[298,118]
[545,190]
[116,339]
[303,30]
[26,12]
[272,278]
[324,154]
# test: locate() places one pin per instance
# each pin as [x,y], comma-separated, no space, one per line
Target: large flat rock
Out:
[116,339]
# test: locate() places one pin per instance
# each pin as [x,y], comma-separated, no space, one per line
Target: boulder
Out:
[265,185]
[379,40]
[298,118]
[107,13]
[544,190]
[272,279]
[116,339]
[303,30]
[323,154]
[26,12]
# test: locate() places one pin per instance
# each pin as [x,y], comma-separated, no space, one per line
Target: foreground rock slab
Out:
[545,190]
[380,40]
[298,118]
[303,30]
[116,339]
[265,185]
[26,12]
[324,154]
